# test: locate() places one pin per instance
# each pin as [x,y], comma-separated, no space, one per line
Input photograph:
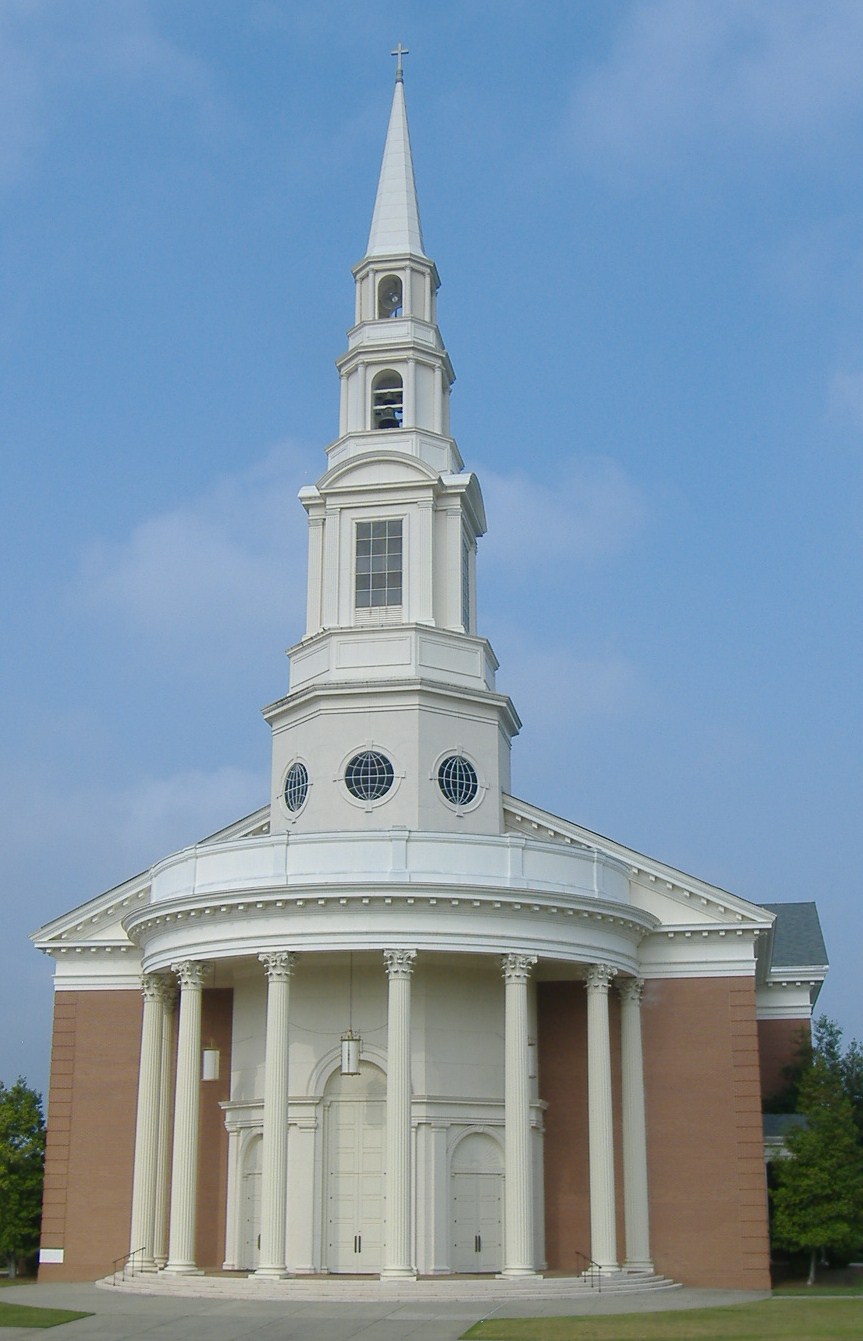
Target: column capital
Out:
[599,977]
[278,964]
[631,990]
[191,973]
[152,986]
[516,968]
[399,963]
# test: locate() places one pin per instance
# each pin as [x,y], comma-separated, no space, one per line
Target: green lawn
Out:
[810,1318]
[22,1315]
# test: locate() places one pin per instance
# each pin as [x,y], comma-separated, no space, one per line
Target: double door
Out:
[355,1206]
[476,1222]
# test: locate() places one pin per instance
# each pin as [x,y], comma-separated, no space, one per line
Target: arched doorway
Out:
[250,1235]
[355,1127]
[476,1187]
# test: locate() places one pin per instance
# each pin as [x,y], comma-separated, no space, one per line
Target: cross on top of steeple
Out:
[398,52]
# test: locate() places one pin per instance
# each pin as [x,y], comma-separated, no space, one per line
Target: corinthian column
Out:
[603,1231]
[147,1126]
[634,1128]
[274,1155]
[397,1251]
[184,1169]
[518,1183]
[166,1087]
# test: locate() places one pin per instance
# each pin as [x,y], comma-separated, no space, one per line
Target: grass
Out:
[23,1315]
[802,1318]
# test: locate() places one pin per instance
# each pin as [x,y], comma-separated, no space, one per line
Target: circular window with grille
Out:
[369,775]
[457,779]
[296,786]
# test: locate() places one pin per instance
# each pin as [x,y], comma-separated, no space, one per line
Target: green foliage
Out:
[818,1198]
[826,1043]
[22,1159]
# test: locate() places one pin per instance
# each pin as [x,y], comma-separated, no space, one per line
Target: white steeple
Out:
[396,228]
[392,672]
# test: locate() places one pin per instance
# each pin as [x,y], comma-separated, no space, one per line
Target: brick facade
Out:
[705,1150]
[90,1146]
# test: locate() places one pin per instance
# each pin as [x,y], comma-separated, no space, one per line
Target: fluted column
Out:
[166,1089]
[518,1185]
[603,1231]
[274,1154]
[636,1206]
[147,1126]
[184,1167]
[397,1248]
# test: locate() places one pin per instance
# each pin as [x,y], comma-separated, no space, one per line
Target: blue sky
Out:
[648,219]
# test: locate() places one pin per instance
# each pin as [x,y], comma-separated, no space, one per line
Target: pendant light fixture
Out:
[351,1042]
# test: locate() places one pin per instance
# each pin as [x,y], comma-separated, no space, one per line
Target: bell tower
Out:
[391,681]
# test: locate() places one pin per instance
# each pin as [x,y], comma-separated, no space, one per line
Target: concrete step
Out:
[353,1289]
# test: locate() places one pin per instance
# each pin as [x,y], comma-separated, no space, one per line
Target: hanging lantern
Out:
[531,1059]
[210,1064]
[351,1043]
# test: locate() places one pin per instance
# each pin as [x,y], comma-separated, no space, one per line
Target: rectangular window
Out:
[379,564]
[465,583]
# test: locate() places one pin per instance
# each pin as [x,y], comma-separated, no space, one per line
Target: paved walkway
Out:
[119,1316]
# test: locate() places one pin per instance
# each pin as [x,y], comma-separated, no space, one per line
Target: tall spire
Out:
[396,228]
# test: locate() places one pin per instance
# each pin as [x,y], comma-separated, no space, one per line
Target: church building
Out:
[399,1022]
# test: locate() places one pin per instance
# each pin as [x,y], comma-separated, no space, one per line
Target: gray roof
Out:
[796,940]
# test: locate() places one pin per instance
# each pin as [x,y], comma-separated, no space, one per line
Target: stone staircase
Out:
[369,1289]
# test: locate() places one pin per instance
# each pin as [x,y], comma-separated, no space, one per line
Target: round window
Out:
[296,786]
[369,775]
[457,779]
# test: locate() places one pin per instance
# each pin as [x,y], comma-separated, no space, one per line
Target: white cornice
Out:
[686,890]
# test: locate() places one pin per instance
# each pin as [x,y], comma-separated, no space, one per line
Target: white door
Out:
[476,1192]
[355,1126]
[251,1204]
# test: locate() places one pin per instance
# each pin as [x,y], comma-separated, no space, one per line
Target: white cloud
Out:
[208,577]
[99,832]
[591,511]
[48,50]
[684,78]
[574,690]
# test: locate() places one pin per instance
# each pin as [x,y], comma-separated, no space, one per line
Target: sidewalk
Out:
[125,1317]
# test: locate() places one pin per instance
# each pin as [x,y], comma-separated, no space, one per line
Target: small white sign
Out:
[53,1256]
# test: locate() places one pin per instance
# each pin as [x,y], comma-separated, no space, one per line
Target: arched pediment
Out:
[382,468]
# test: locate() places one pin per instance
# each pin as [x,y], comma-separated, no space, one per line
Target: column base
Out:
[398,1273]
[517,1273]
[643,1268]
[183,1269]
[269,1273]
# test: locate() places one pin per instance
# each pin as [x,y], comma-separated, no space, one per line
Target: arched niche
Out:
[387,400]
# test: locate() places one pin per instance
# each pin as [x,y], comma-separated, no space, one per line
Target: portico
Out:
[418,1136]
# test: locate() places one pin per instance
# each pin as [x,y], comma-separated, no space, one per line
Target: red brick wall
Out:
[778,1045]
[705,1151]
[90,1149]
[217,1012]
[91,1131]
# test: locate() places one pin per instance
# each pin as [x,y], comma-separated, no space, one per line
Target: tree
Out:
[826,1043]
[22,1159]
[818,1198]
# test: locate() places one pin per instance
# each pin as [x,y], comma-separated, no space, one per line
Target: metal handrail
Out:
[591,1270]
[120,1264]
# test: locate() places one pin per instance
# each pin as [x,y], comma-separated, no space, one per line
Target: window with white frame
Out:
[379,563]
